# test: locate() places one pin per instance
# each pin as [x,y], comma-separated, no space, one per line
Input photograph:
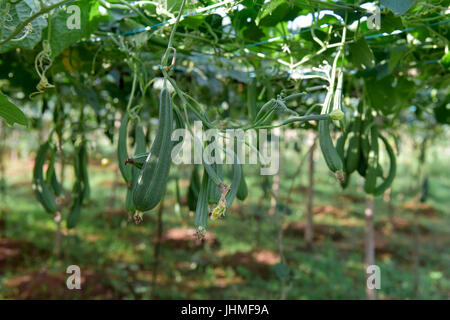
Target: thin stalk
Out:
[309,230]
[133,89]
[157,250]
[2,178]
[369,243]
[174,28]
[58,234]
[315,117]
[143,16]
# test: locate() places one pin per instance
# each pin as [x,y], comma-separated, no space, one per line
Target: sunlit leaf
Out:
[10,112]
[397,6]
[30,35]
[361,55]
[70,24]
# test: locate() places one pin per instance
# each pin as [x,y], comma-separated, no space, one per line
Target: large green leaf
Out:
[64,32]
[28,37]
[397,6]
[361,55]
[268,8]
[390,22]
[275,11]
[390,94]
[395,58]
[10,112]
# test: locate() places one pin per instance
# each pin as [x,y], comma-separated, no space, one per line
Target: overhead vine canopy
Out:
[279,40]
[369,60]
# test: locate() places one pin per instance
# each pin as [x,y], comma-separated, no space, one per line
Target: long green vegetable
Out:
[41,189]
[152,180]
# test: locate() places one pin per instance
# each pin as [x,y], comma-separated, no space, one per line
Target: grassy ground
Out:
[239,257]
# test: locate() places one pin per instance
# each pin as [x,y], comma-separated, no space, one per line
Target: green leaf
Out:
[17,15]
[139,39]
[361,55]
[253,32]
[193,22]
[390,94]
[397,6]
[10,112]
[65,29]
[275,11]
[396,57]
[268,8]
[390,22]
[445,61]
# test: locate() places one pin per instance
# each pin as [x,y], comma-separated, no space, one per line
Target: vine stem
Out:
[314,117]
[326,104]
[138,12]
[133,89]
[432,6]
[31,18]
[183,99]
[157,250]
[169,45]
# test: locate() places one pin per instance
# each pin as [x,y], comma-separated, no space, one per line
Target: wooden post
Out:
[157,250]
[58,235]
[2,179]
[390,208]
[275,192]
[309,229]
[369,243]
